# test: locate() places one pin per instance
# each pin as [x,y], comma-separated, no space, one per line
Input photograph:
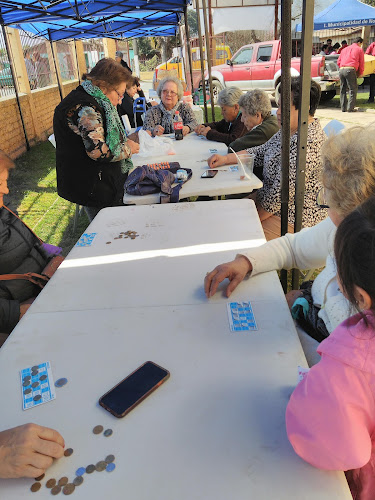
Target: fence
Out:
[43,73]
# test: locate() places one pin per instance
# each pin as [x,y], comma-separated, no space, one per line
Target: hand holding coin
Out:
[28,450]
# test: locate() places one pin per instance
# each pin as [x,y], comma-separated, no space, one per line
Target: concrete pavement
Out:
[363,116]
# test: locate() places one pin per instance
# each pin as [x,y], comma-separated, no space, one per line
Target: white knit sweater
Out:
[308,249]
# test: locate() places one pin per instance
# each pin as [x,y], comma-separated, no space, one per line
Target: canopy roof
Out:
[60,19]
[343,14]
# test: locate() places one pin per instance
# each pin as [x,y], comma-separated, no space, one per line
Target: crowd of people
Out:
[336,310]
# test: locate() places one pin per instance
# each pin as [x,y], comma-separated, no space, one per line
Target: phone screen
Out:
[208,174]
[122,398]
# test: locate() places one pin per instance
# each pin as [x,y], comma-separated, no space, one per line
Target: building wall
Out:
[37,110]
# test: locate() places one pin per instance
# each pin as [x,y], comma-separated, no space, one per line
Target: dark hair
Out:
[131,82]
[344,41]
[355,251]
[324,47]
[358,40]
[107,73]
[295,88]
[336,46]
[329,40]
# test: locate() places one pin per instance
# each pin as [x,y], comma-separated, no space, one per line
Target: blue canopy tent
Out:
[343,14]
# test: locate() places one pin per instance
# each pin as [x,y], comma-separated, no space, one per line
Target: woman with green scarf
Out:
[92,150]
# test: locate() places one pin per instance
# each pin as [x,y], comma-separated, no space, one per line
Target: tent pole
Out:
[54,62]
[303,119]
[187,37]
[202,61]
[208,53]
[5,35]
[75,48]
[286,51]
[276,18]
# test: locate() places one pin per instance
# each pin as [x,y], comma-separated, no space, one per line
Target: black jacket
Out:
[226,132]
[124,64]
[93,183]
[20,252]
[126,108]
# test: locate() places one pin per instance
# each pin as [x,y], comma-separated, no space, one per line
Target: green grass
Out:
[361,101]
[33,193]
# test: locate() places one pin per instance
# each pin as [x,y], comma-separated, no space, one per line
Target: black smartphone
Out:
[208,174]
[128,393]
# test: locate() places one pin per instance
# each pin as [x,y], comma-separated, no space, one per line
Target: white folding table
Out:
[191,153]
[215,429]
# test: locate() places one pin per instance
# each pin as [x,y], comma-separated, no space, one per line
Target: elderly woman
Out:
[92,150]
[267,166]
[230,127]
[159,119]
[348,180]
[255,108]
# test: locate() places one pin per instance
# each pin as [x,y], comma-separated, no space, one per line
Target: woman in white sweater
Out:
[348,179]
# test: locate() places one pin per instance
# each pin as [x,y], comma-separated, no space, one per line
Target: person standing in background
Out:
[344,44]
[352,64]
[371,52]
[119,58]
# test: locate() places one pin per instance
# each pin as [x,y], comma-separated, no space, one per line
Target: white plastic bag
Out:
[156,146]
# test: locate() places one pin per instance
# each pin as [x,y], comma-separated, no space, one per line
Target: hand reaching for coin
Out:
[28,450]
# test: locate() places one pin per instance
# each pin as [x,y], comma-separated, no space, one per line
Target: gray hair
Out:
[174,79]
[229,96]
[256,101]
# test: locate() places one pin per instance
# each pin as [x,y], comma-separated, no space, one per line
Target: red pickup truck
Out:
[259,66]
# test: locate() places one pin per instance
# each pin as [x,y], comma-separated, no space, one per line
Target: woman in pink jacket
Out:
[330,418]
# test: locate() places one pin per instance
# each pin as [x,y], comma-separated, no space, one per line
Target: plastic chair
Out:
[139,107]
[333,127]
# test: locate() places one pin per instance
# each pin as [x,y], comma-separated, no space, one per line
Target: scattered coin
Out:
[34,384]
[27,379]
[26,383]
[37,397]
[108,432]
[35,487]
[27,391]
[90,468]
[98,429]
[108,242]
[56,490]
[39,478]
[68,452]
[63,481]
[77,481]
[61,382]
[80,471]
[34,372]
[109,459]
[68,489]
[43,377]
[51,483]
[100,466]
[35,367]
[110,467]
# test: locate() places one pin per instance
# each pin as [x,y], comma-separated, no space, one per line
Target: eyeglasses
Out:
[169,92]
[120,96]
[321,199]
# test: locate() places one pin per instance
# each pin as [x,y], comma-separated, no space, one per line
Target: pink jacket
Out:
[352,56]
[330,418]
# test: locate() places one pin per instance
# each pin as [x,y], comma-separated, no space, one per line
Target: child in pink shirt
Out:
[330,418]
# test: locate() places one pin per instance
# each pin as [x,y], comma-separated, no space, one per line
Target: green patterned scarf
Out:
[116,135]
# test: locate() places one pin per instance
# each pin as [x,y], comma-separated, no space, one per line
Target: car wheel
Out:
[327,95]
[216,89]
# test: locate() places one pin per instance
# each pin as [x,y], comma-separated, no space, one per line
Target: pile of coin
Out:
[125,234]
[67,487]
[98,429]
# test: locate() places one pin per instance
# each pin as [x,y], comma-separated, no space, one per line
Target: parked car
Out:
[258,65]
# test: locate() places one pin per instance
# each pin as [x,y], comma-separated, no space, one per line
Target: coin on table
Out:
[110,467]
[90,468]
[37,397]
[77,481]
[108,432]
[109,459]
[80,471]
[34,372]
[108,242]
[43,377]
[98,429]
[35,367]
[27,391]
[56,490]
[51,483]
[39,478]
[68,489]
[61,382]
[68,452]
[35,487]
[100,466]
[63,481]
[26,383]
[34,384]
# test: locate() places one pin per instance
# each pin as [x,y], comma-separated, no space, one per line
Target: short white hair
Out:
[174,79]
[229,96]
[256,101]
